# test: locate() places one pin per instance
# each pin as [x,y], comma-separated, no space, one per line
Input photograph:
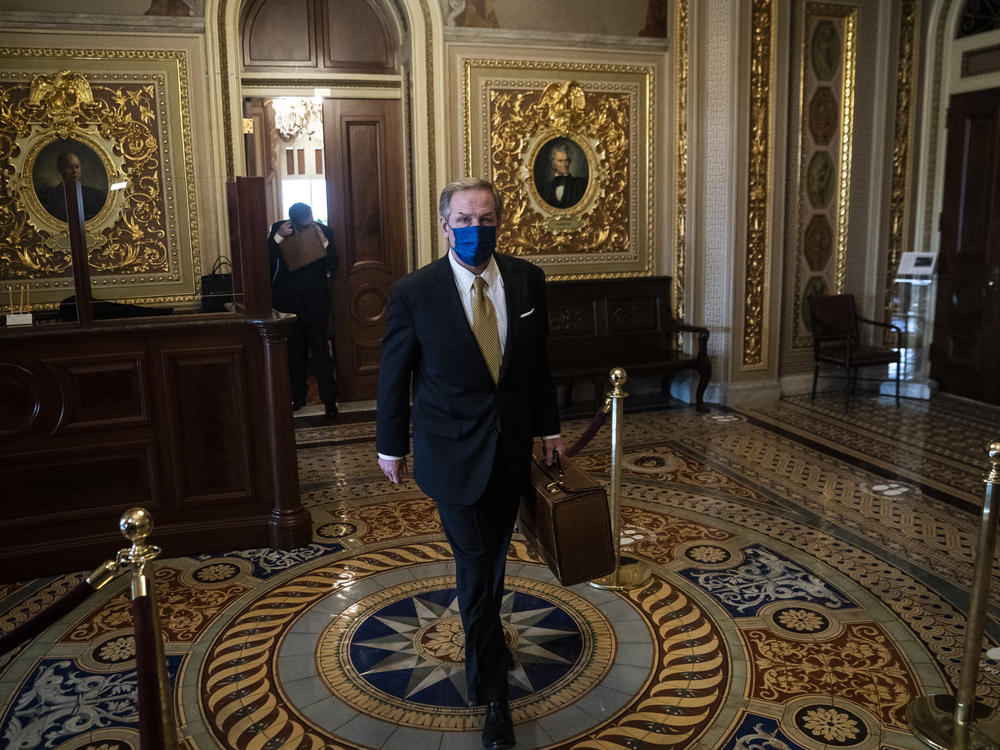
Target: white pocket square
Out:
[525,315]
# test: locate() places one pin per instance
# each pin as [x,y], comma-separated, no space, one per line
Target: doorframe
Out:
[419,85]
[942,78]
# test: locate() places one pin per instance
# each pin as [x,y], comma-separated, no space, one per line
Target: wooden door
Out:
[965,354]
[259,136]
[364,183]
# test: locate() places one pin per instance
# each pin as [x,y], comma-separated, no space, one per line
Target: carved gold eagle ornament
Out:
[62,91]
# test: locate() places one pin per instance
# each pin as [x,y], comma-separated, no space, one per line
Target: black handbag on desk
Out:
[217,287]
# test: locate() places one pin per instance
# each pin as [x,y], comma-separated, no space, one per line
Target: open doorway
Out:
[343,157]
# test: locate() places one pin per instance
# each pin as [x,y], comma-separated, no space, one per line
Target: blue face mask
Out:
[474,245]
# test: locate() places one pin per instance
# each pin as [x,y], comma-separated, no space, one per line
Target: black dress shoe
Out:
[332,411]
[296,405]
[499,728]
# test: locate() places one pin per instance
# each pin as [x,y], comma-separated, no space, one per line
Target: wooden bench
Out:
[596,325]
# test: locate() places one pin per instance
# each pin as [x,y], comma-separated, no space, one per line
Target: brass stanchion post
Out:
[629,573]
[955,722]
[156,713]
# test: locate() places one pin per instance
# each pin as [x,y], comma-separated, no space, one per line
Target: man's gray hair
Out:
[560,148]
[463,185]
[63,159]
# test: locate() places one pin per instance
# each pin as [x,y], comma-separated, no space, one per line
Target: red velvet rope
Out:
[588,434]
[150,709]
[28,630]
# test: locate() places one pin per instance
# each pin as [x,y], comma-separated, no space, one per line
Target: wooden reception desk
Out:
[186,416]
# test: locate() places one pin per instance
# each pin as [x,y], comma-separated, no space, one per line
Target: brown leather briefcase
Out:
[303,247]
[564,516]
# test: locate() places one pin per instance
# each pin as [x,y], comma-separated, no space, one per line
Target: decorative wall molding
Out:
[680,158]
[902,149]
[982,61]
[826,116]
[760,176]
[568,40]
[125,115]
[96,23]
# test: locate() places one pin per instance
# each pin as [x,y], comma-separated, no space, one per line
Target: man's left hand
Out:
[553,446]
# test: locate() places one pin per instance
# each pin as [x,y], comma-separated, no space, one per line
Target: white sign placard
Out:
[917,264]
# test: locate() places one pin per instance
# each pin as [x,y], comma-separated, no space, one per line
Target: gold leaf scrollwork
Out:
[524,124]
[117,126]
[758,187]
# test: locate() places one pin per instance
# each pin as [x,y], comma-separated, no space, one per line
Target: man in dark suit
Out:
[305,292]
[468,334]
[53,199]
[565,189]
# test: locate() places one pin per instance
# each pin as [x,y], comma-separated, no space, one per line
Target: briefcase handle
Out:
[557,475]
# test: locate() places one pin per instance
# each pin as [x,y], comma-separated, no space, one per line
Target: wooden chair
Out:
[836,341]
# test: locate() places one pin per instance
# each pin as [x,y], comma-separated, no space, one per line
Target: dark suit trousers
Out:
[479,535]
[307,336]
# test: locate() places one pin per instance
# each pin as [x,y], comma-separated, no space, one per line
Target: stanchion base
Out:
[932,720]
[629,574]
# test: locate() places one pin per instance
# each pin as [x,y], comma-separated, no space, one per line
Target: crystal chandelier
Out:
[294,116]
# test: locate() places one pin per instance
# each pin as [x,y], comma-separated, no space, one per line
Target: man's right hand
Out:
[285,230]
[394,469]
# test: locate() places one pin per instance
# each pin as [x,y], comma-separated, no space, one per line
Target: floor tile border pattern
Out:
[959,552]
[951,562]
[27,599]
[946,466]
[930,620]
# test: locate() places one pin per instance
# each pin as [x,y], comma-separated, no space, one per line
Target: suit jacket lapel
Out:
[447,294]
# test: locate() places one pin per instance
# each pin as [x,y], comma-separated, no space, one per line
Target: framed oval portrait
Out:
[561,172]
[69,158]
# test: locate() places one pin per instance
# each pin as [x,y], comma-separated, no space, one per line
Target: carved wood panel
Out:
[171,415]
[279,34]
[328,35]
[358,35]
[207,392]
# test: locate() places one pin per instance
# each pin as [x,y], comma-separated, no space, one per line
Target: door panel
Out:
[965,355]
[364,170]
[259,149]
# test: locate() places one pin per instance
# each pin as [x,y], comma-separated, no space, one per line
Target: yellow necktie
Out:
[484,326]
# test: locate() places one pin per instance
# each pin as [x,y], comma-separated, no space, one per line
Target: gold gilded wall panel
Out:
[826,114]
[526,122]
[758,183]
[123,114]
[681,161]
[902,150]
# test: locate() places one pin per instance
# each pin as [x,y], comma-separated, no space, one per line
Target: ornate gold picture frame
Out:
[37,181]
[569,147]
[117,121]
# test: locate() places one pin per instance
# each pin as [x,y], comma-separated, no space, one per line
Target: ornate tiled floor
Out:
[810,579]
